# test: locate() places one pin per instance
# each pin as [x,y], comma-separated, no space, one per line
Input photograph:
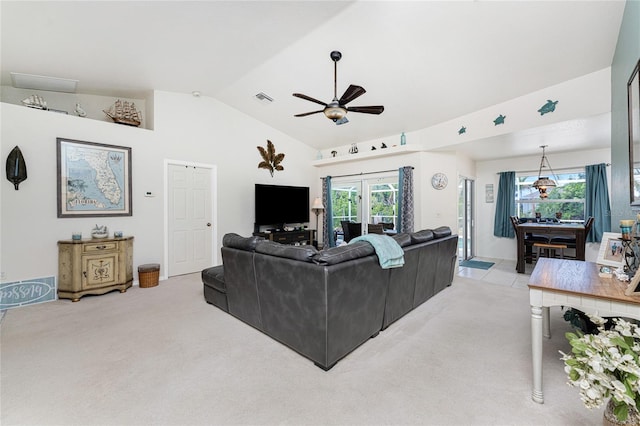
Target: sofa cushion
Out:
[422,236]
[343,253]
[241,243]
[214,277]
[442,231]
[303,253]
[403,239]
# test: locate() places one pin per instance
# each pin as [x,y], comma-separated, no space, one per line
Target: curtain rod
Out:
[367,173]
[561,168]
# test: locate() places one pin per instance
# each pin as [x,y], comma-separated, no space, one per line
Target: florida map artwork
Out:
[93,179]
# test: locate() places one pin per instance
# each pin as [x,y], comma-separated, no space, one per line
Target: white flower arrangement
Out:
[606,366]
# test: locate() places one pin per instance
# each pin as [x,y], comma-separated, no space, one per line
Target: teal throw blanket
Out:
[389,252]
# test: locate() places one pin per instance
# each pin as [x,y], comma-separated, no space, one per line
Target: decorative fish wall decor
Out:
[462,130]
[16,167]
[550,106]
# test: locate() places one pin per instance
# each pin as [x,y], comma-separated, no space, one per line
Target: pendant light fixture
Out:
[544,182]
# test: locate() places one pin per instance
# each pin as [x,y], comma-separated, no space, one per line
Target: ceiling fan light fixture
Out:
[335,113]
[336,110]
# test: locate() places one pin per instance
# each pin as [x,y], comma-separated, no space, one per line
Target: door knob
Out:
[208,223]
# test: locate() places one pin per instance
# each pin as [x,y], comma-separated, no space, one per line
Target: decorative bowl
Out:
[99,234]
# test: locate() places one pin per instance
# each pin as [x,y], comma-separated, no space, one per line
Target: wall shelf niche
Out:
[366,155]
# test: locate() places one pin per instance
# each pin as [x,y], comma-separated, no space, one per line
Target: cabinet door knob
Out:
[101,247]
[208,223]
[84,273]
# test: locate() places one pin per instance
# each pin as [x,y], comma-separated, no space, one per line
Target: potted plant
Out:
[605,366]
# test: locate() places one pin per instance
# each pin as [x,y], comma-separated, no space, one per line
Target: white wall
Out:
[505,248]
[199,130]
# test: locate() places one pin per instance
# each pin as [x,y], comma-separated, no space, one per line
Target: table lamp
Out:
[317,207]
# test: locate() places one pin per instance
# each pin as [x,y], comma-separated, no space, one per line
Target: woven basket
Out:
[148,275]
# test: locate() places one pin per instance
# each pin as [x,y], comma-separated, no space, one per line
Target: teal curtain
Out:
[327,224]
[597,201]
[405,199]
[505,205]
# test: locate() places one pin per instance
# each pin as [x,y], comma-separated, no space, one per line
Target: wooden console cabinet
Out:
[289,237]
[94,266]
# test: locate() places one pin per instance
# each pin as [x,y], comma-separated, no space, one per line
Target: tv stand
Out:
[289,237]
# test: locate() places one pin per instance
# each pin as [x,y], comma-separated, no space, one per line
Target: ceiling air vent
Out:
[264,97]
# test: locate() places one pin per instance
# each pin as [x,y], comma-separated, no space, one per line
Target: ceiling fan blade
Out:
[351,93]
[304,114]
[367,109]
[308,98]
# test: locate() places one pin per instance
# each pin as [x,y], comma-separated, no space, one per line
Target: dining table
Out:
[550,229]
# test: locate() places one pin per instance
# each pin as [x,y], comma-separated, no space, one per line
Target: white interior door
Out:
[190,222]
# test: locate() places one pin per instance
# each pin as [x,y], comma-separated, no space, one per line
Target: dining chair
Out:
[377,228]
[351,230]
[571,241]
[529,239]
[388,226]
[345,231]
[355,229]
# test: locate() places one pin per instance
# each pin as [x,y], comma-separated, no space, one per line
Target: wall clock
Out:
[439,181]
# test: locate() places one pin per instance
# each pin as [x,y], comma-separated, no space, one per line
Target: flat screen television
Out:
[278,204]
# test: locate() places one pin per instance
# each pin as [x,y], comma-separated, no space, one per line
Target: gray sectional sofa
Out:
[324,304]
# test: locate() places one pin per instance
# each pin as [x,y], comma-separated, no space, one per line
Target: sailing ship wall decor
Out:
[124,112]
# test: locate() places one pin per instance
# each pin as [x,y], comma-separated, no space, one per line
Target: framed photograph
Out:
[94,180]
[611,250]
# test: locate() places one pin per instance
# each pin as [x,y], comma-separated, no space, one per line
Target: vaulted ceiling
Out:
[426,61]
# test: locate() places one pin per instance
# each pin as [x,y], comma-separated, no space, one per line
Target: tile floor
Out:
[503,272]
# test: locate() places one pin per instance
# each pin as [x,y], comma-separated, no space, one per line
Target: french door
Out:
[372,200]
[466,196]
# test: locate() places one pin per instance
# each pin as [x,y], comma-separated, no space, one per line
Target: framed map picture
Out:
[94,179]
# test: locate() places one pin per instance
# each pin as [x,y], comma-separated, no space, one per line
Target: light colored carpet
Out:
[163,356]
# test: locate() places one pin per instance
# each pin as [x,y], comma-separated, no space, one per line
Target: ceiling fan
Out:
[337,109]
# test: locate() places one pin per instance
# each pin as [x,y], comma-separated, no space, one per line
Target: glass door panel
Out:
[383,201]
[346,202]
[465,218]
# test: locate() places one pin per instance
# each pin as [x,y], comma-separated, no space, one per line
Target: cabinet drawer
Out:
[100,247]
[290,237]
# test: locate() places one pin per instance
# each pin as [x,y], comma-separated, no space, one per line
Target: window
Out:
[567,198]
